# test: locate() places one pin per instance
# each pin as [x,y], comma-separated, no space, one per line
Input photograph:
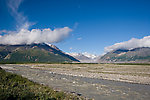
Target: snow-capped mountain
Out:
[92,56]
[84,57]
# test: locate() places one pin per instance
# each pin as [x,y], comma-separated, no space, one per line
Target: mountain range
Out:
[84,57]
[33,53]
[135,55]
[48,53]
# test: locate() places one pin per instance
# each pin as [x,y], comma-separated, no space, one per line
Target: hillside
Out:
[33,53]
[136,55]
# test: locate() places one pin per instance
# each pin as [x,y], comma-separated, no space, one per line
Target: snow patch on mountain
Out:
[84,57]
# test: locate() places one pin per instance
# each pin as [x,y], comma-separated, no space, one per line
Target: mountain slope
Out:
[33,53]
[137,55]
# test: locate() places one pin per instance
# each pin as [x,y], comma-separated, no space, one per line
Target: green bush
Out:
[15,87]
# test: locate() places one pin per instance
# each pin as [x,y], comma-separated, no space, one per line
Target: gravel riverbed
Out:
[77,83]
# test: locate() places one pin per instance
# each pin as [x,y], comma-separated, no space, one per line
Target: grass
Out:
[15,87]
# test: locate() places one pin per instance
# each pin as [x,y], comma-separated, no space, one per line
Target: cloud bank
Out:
[133,43]
[25,36]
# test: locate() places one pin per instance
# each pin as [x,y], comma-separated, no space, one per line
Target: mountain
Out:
[84,57]
[136,55]
[33,53]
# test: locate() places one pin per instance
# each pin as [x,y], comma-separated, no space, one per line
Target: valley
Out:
[75,50]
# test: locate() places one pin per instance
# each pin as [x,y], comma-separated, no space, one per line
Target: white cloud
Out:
[79,38]
[21,20]
[3,31]
[70,48]
[25,36]
[133,43]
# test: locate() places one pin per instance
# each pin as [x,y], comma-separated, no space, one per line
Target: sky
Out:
[93,26]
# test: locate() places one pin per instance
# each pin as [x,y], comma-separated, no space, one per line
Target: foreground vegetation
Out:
[15,87]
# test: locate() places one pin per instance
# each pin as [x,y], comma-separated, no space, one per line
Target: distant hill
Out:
[33,53]
[136,55]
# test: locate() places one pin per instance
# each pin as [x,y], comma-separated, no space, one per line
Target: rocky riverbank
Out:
[131,74]
[99,89]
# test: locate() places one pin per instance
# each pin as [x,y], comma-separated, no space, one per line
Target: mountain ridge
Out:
[33,53]
[135,55]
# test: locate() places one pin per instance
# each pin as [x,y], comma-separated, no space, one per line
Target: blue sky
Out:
[95,23]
